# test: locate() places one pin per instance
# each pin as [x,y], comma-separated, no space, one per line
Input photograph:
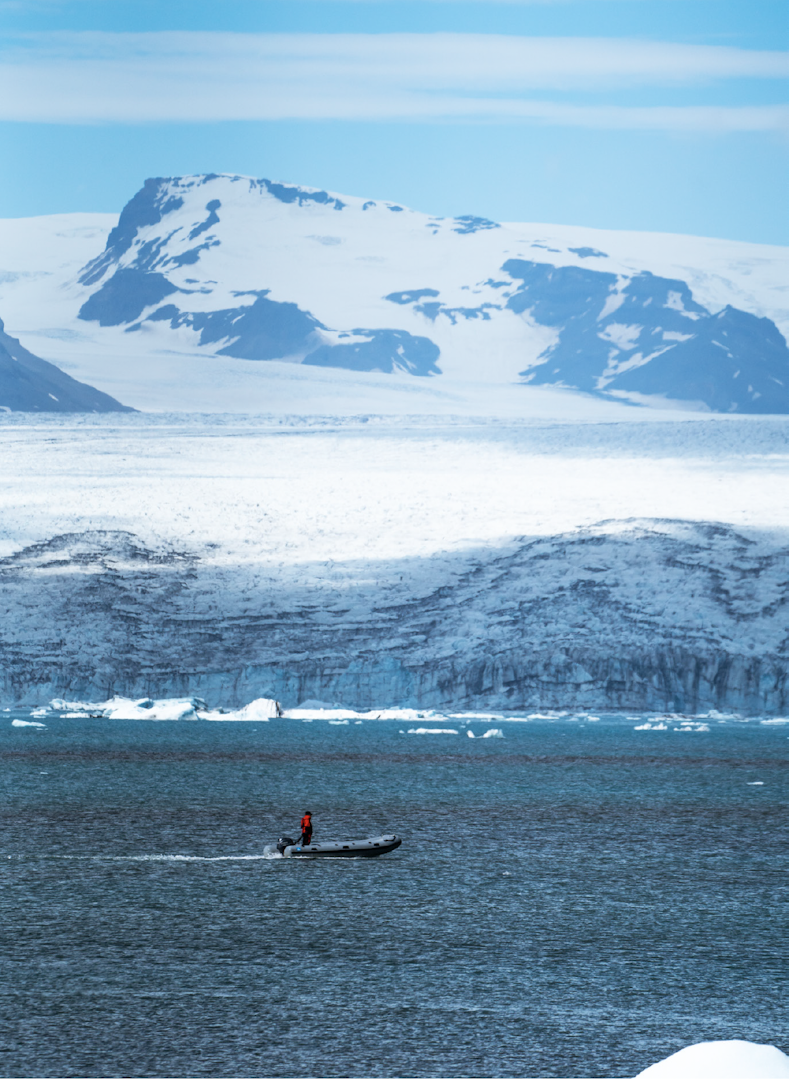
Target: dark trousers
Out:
[306,837]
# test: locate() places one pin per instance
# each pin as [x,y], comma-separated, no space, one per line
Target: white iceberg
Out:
[433,731]
[316,710]
[26,723]
[261,709]
[164,709]
[192,708]
[146,709]
[493,733]
[729,1059]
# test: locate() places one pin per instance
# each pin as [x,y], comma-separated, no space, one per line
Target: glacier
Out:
[436,564]
[567,621]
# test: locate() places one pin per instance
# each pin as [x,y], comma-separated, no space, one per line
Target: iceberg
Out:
[192,708]
[261,709]
[433,731]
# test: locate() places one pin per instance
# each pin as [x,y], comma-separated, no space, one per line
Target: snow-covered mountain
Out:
[229,269]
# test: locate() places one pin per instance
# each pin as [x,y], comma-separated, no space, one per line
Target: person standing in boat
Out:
[306,829]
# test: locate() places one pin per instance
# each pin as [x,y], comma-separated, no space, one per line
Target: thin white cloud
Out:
[195,76]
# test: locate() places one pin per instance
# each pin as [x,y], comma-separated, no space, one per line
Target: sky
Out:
[659,115]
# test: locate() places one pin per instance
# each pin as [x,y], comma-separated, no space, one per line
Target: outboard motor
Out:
[283,842]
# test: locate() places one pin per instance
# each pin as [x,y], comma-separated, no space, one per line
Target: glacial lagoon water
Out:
[577,898]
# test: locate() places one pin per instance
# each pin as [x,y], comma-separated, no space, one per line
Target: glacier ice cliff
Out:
[636,615]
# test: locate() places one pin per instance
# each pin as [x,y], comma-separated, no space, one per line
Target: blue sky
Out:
[666,115]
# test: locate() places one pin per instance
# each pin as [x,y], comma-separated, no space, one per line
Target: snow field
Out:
[302,500]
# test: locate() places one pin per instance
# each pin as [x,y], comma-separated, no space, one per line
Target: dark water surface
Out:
[576,899]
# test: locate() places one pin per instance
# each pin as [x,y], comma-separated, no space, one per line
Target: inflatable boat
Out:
[339,849]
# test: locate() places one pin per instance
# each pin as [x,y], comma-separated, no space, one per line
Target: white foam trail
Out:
[267,854]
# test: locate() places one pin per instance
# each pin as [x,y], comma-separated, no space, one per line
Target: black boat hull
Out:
[344,849]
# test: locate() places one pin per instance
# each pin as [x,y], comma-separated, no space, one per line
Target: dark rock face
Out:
[212,219]
[291,193]
[410,296]
[431,309]
[467,223]
[384,350]
[264,330]
[147,207]
[30,384]
[650,338]
[588,253]
[635,616]
[123,297]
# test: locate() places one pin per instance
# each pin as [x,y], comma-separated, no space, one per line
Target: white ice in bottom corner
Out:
[730,1059]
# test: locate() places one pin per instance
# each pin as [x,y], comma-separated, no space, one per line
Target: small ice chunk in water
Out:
[493,733]
[756,783]
[339,723]
[433,731]
[470,734]
[26,723]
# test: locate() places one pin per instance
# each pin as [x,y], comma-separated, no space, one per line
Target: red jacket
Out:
[306,823]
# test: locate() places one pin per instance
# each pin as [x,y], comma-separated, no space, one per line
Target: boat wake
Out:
[174,858]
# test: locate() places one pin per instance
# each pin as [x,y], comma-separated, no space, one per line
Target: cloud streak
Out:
[97,77]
